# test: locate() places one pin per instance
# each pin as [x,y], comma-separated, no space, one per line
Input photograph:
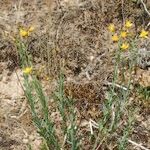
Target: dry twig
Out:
[138,145]
[117,85]
[145,8]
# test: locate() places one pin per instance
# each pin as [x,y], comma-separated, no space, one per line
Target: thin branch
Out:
[94,124]
[65,137]
[145,8]
[138,145]
[117,85]
[91,129]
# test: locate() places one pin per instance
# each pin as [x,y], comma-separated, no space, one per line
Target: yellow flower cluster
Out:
[27,70]
[115,38]
[111,27]
[26,33]
[128,24]
[124,46]
[144,34]
[124,34]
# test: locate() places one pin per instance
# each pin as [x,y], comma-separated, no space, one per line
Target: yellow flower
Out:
[47,78]
[111,27]
[31,29]
[144,34]
[27,70]
[24,33]
[128,24]
[115,38]
[123,34]
[124,46]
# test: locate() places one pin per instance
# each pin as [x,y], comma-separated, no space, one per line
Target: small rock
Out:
[25,141]
[31,137]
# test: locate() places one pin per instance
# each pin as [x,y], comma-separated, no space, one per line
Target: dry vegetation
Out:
[71,37]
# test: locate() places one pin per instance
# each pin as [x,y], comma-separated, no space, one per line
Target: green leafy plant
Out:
[34,94]
[68,114]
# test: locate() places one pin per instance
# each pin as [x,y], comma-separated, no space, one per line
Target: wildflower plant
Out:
[116,104]
[123,34]
[27,70]
[125,37]
[144,34]
[26,32]
[115,38]
[128,24]
[34,93]
[124,46]
[111,27]
[68,114]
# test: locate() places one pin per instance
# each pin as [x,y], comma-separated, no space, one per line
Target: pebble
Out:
[25,141]
[31,137]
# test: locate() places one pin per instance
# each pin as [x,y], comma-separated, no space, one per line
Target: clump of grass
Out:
[126,132]
[68,114]
[144,92]
[143,95]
